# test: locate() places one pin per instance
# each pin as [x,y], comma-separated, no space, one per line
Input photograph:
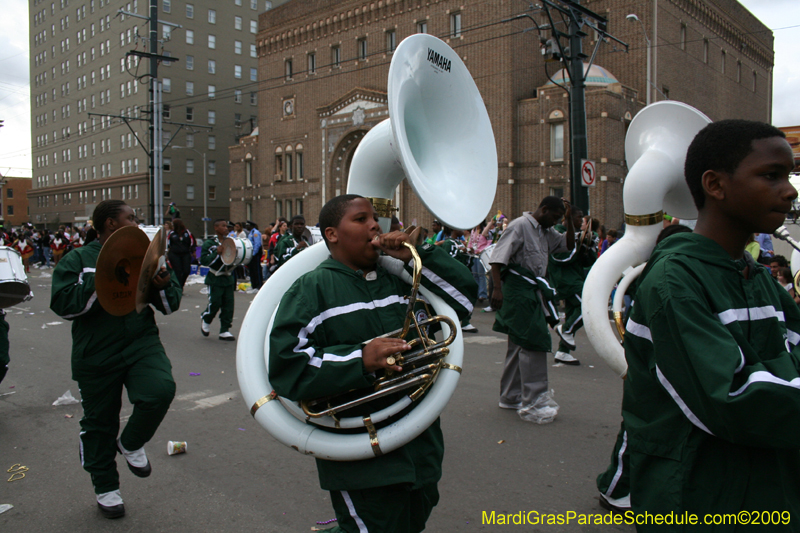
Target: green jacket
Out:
[451,246]
[287,248]
[101,341]
[712,397]
[567,270]
[315,350]
[527,309]
[210,258]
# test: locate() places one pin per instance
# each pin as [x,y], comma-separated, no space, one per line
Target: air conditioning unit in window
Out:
[279,176]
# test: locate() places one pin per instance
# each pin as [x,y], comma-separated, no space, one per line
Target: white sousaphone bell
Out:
[655,149]
[438,136]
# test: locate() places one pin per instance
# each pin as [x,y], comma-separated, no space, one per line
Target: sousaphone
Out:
[439,137]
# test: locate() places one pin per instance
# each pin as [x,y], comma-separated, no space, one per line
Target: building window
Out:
[212,16]
[391,40]
[190,114]
[212,91]
[422,27]
[167,190]
[278,208]
[253,74]
[10,210]
[189,36]
[212,192]
[300,171]
[237,23]
[253,26]
[212,168]
[287,69]
[287,163]
[705,51]
[212,66]
[557,141]
[738,72]
[166,6]
[455,25]
[336,56]
[166,113]
[189,88]
[212,142]
[212,42]
[212,117]
[253,98]
[755,80]
[362,49]
[9,193]
[299,203]
[237,96]
[683,36]
[190,192]
[189,11]
[237,47]
[237,71]
[253,52]
[312,63]
[189,62]
[166,85]
[288,208]
[190,166]
[248,172]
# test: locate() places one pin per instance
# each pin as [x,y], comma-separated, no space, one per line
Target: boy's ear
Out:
[331,235]
[714,184]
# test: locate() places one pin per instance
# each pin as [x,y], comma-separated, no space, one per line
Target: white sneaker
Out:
[619,505]
[514,406]
[204,328]
[227,336]
[469,328]
[110,504]
[565,358]
[542,411]
[137,460]
[488,309]
[566,337]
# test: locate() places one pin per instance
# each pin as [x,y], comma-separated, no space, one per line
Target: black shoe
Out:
[138,471]
[204,328]
[113,511]
[226,336]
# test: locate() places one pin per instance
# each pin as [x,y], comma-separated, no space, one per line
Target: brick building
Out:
[80,74]
[14,210]
[323,67]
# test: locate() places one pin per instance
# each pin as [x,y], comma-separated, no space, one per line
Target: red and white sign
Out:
[588,173]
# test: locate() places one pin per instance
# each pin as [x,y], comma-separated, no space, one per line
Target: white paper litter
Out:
[66,399]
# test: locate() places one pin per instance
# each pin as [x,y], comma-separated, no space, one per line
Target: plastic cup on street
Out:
[175,447]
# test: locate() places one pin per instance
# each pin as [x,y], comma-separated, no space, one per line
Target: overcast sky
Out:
[782,16]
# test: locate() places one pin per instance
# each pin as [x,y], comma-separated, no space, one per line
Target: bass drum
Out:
[14,288]
[236,251]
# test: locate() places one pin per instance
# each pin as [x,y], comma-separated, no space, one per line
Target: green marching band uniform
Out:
[315,348]
[567,272]
[699,410]
[4,345]
[221,286]
[109,352]
[287,248]
[451,246]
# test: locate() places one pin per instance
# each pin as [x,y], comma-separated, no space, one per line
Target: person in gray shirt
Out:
[521,294]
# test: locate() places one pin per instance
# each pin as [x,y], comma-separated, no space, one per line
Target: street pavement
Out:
[235,477]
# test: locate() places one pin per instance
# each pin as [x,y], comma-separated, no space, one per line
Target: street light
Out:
[205,192]
[632,17]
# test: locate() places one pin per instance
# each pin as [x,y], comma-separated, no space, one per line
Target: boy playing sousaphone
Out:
[316,350]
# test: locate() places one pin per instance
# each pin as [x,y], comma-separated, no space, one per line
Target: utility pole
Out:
[570,48]
[155,168]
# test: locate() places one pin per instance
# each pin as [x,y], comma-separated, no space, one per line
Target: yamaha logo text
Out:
[438,60]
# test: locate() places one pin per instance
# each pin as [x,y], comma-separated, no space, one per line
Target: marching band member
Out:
[221,285]
[24,245]
[519,263]
[567,271]
[111,351]
[58,245]
[317,350]
[293,242]
[711,402]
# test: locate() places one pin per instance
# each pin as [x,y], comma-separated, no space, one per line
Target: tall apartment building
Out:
[323,68]
[80,74]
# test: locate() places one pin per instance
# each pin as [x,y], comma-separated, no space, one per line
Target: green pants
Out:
[220,299]
[615,481]
[392,509]
[573,319]
[150,389]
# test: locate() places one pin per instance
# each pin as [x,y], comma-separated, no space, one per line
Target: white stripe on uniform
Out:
[681,404]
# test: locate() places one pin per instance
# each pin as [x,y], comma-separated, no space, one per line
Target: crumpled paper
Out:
[66,399]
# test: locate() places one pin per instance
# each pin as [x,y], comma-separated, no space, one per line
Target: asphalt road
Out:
[235,477]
